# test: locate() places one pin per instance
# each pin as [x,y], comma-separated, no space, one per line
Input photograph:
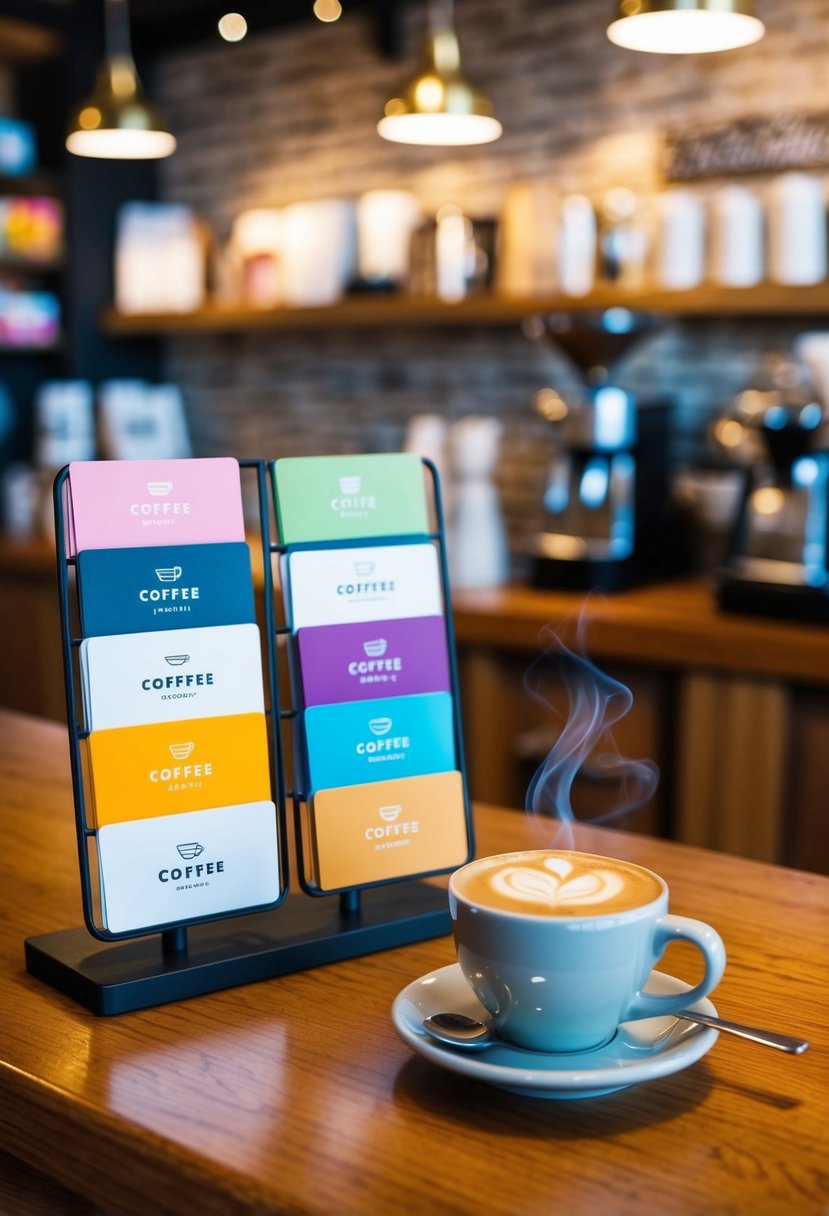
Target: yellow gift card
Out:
[140,772]
[388,829]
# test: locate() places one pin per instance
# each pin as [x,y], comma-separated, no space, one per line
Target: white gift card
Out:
[383,582]
[180,867]
[133,679]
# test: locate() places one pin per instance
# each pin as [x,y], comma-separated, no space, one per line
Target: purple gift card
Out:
[368,659]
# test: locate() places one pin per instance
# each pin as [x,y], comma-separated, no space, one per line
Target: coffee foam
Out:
[557,883]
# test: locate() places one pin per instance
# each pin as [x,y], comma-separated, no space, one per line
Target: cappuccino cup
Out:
[558,945]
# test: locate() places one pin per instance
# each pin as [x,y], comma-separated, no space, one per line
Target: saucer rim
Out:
[576,1082]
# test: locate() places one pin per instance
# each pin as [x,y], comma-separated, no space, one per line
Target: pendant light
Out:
[117,122]
[440,106]
[685,27]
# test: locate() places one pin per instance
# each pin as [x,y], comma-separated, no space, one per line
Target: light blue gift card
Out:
[362,741]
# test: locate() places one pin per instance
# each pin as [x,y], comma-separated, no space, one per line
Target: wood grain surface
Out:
[296,1095]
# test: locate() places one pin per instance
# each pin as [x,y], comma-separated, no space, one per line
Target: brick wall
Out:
[287,116]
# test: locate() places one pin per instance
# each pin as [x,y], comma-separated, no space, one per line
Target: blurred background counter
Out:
[734,710]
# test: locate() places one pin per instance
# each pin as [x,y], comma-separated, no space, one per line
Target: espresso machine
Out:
[777,563]
[606,517]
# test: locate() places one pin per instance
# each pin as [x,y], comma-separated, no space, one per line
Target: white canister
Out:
[577,246]
[797,230]
[477,544]
[452,253]
[427,435]
[680,244]
[386,220]
[319,251]
[737,237]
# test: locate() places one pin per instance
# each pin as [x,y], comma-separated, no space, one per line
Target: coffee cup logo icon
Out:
[380,726]
[350,485]
[390,813]
[176,660]
[159,489]
[168,574]
[181,751]
[376,648]
[189,851]
[363,568]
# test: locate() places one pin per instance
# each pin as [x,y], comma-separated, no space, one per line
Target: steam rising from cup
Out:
[595,703]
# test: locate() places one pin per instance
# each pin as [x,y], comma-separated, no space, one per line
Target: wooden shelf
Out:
[42,183]
[25,42]
[9,264]
[410,312]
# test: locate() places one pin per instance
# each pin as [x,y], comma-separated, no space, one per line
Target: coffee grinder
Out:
[777,564]
[605,520]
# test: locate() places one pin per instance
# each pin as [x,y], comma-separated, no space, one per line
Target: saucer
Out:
[640,1051]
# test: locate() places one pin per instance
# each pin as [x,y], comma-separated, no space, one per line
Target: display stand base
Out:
[117,977]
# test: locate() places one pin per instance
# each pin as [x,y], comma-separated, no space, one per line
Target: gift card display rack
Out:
[307,924]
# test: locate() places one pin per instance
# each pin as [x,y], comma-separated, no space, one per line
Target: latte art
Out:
[557,883]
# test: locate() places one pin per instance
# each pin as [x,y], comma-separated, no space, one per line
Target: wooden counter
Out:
[31,661]
[296,1095]
[673,625]
[733,709]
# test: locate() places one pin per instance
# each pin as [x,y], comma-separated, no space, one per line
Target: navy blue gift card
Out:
[175,587]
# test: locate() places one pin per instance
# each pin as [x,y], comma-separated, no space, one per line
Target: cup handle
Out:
[671,928]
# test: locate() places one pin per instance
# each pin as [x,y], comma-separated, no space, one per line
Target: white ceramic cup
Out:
[558,945]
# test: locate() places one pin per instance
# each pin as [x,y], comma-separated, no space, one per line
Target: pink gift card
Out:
[120,504]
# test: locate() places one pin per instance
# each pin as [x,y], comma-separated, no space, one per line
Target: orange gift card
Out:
[140,772]
[389,829]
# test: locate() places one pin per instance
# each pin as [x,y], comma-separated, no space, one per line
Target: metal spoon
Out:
[461,1031]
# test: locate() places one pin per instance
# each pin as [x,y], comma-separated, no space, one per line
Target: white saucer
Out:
[641,1050]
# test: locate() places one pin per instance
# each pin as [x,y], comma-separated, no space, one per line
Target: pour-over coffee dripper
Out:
[604,505]
[595,340]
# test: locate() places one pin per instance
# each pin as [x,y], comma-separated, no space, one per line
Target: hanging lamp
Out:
[685,27]
[439,106]
[116,122]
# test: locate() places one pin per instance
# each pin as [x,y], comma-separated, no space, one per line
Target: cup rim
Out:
[547,918]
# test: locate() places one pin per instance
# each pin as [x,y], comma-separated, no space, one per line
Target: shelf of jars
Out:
[409,311]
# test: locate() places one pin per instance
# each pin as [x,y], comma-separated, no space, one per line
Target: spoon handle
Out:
[783,1042]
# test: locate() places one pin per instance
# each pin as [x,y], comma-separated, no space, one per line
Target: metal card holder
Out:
[350,896]
[112,973]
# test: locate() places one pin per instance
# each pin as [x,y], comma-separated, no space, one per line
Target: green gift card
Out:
[340,497]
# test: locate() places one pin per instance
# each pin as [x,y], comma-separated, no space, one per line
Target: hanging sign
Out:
[764,143]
